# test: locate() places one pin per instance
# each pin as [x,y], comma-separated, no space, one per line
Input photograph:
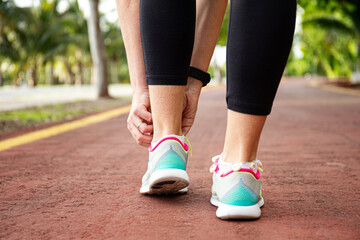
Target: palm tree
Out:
[54,39]
[346,21]
[76,27]
[98,52]
[41,39]
[11,17]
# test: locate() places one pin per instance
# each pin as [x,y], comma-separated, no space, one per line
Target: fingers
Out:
[141,133]
[186,125]
[141,125]
[146,129]
[143,113]
[185,102]
[189,112]
[185,130]
[140,138]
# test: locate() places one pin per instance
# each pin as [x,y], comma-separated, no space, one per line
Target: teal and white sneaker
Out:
[166,172]
[236,189]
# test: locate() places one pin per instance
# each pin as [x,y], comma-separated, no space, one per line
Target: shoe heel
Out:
[226,211]
[168,181]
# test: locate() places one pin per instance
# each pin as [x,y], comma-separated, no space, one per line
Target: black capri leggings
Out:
[259,39]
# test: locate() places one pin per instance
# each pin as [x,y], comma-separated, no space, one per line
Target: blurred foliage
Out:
[329,39]
[224,27]
[41,45]
[327,42]
[116,54]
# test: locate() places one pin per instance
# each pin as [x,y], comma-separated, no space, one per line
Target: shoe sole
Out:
[166,181]
[226,211]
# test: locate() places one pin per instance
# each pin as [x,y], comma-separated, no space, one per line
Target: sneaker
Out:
[236,189]
[166,172]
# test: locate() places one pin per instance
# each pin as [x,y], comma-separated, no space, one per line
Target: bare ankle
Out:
[164,132]
[233,157]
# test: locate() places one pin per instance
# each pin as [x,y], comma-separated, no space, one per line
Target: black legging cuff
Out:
[166,80]
[167,35]
[247,108]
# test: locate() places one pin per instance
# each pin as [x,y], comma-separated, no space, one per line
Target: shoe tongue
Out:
[181,138]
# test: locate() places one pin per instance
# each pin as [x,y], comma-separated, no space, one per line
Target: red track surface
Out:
[85,183]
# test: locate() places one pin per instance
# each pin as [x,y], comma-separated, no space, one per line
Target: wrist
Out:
[194,85]
[200,75]
[140,89]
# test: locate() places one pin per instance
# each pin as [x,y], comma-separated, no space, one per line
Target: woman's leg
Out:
[242,136]
[167,52]
[166,108]
[167,33]
[259,40]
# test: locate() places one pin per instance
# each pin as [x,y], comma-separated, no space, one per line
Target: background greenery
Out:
[40,45]
[329,38]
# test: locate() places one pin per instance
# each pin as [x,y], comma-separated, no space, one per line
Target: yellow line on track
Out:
[61,128]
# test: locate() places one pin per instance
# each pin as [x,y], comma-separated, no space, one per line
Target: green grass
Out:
[37,116]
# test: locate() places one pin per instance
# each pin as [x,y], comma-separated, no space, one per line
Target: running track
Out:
[85,183]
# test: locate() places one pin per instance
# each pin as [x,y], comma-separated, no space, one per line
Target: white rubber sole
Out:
[166,181]
[226,211]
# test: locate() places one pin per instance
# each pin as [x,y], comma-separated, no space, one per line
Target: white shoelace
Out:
[225,167]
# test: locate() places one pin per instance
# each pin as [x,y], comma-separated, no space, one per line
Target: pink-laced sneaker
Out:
[236,189]
[166,172]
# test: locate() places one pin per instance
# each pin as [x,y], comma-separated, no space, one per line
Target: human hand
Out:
[192,94]
[139,121]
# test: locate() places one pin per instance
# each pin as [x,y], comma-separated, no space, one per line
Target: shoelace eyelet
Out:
[253,167]
[212,168]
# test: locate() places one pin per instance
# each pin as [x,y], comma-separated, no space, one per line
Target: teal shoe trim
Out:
[171,160]
[240,195]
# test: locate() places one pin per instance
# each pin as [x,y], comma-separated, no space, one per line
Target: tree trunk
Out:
[52,76]
[70,73]
[355,76]
[80,77]
[114,72]
[98,53]
[33,81]
[1,77]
